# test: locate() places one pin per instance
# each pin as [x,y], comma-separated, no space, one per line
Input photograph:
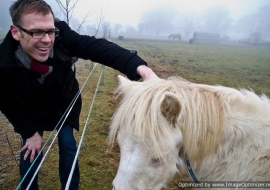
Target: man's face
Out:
[37,49]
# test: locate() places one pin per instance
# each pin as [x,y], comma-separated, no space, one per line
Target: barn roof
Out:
[206,37]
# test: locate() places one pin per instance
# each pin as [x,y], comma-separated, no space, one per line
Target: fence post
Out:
[102,75]
[106,37]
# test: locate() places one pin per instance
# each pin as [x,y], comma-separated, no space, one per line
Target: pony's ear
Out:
[170,107]
[122,80]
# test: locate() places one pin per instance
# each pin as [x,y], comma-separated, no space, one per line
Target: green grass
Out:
[232,66]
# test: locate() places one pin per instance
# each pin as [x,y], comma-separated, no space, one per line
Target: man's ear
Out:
[15,32]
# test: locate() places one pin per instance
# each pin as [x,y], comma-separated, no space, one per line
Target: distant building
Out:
[205,37]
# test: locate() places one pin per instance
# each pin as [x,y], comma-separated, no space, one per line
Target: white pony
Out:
[175,37]
[225,133]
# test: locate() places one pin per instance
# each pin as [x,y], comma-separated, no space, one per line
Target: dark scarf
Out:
[34,66]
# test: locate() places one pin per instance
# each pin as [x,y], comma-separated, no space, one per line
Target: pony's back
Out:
[229,130]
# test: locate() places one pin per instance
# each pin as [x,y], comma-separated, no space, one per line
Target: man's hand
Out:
[33,145]
[146,73]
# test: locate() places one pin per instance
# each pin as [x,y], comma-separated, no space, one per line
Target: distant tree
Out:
[88,29]
[216,20]
[144,28]
[117,28]
[106,30]
[264,23]
[141,28]
[186,26]
[99,27]
[248,24]
[256,26]
[67,7]
[256,36]
[158,21]
[130,30]
[100,24]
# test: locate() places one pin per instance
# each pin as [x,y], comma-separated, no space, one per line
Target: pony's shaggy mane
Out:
[205,110]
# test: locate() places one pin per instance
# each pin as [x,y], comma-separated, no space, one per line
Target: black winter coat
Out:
[31,106]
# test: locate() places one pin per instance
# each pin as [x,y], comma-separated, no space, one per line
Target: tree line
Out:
[160,21]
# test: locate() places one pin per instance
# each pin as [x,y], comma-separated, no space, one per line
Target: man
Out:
[38,83]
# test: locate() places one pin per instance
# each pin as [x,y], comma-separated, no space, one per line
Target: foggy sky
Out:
[129,12]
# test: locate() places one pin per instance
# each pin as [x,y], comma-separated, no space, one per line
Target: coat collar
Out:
[7,49]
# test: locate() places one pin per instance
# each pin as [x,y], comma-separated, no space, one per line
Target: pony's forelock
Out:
[140,102]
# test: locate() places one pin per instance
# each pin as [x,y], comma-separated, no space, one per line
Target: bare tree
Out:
[264,24]
[257,25]
[105,29]
[84,21]
[158,20]
[144,28]
[216,20]
[117,28]
[130,29]
[186,26]
[67,8]
[247,24]
[99,22]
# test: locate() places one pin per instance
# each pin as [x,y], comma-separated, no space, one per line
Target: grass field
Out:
[232,66]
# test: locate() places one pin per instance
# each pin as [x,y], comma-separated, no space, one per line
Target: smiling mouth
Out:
[43,49]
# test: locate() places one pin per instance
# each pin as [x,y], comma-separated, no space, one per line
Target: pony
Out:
[223,132]
[175,37]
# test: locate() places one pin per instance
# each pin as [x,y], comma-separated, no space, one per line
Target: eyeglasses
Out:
[40,34]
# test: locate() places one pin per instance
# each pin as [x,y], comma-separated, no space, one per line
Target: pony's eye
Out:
[156,161]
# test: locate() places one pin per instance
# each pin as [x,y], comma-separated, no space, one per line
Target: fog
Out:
[232,19]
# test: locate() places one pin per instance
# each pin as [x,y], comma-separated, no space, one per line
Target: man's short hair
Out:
[22,7]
